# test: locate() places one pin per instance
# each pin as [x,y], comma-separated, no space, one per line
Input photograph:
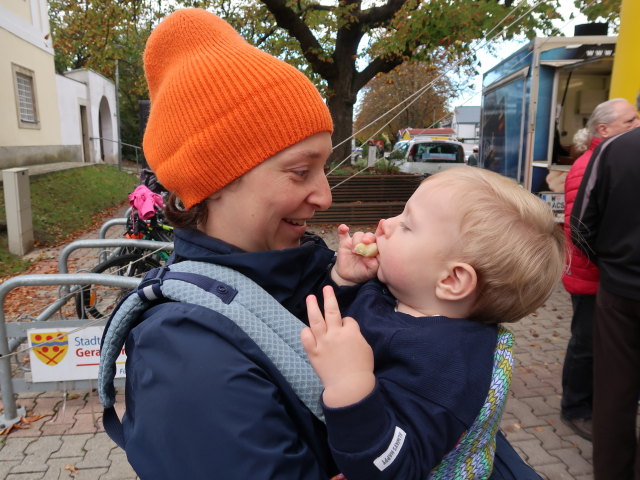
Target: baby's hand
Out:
[352,265]
[338,352]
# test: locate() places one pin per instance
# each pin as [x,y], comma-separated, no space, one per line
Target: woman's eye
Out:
[301,173]
[403,226]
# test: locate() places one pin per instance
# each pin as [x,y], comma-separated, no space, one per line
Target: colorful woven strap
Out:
[472,457]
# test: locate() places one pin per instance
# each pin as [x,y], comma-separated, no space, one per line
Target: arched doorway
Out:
[108,143]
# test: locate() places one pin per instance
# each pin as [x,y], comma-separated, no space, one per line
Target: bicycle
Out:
[98,301]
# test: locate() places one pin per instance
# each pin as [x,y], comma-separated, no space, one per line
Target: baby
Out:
[471,250]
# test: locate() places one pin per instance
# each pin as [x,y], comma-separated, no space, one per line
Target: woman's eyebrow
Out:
[310,154]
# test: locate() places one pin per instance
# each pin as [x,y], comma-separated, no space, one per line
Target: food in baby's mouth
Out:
[366,249]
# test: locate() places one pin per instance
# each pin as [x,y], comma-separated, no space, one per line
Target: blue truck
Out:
[534,101]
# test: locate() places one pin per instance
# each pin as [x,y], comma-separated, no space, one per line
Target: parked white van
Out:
[426,156]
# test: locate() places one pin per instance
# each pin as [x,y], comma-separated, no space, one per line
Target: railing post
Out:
[17,199]
[10,415]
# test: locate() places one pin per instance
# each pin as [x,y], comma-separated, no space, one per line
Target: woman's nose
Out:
[320,196]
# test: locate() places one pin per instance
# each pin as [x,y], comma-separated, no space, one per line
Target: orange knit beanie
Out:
[219,106]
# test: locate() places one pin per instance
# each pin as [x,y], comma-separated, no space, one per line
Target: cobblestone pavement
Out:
[69,441]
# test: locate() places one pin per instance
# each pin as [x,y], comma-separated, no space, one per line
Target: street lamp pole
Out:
[118,114]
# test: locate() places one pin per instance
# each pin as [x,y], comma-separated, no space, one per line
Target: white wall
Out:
[71,94]
[101,95]
[466,130]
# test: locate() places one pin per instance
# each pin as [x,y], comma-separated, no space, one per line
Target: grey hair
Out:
[604,113]
[581,140]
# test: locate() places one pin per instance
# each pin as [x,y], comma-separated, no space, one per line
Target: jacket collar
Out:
[595,141]
[289,275]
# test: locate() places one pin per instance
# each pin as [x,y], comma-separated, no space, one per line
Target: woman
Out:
[240,139]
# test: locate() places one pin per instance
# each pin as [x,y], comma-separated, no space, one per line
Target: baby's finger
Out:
[357,237]
[316,320]
[351,323]
[308,340]
[331,309]
[368,237]
[342,228]
[343,235]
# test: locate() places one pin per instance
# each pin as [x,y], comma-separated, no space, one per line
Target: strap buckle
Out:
[150,288]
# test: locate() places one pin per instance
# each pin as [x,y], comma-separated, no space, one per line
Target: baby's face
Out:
[417,246]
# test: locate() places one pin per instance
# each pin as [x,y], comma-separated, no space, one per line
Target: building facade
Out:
[466,123]
[48,118]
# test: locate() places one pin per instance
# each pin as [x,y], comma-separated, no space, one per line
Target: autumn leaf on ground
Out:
[74,471]
[10,428]
[511,428]
[32,418]
[23,423]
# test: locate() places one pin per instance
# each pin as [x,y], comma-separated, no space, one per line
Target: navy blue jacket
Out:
[433,375]
[202,400]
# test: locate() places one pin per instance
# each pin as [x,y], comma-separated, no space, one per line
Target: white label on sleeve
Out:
[390,454]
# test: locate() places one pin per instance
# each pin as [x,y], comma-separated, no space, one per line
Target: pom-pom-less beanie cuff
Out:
[219,106]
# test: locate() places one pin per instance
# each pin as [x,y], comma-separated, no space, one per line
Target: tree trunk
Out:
[341,109]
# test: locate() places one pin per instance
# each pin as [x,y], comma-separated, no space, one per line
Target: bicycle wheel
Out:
[98,301]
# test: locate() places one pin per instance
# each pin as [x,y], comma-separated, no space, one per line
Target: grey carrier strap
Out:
[271,326]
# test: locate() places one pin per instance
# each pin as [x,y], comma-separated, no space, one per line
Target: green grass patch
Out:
[64,204]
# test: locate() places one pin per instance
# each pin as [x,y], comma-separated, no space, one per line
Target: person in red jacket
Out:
[582,277]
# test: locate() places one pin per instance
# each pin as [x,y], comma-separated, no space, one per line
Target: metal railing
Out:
[7,384]
[137,149]
[14,333]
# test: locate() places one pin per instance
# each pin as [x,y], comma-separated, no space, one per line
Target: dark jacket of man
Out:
[605,220]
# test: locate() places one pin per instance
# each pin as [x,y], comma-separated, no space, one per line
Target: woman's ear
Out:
[458,283]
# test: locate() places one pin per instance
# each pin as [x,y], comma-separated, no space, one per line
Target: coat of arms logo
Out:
[50,347]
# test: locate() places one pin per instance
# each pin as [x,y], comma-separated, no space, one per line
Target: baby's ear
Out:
[458,283]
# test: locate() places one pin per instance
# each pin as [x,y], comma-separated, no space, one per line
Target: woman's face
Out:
[268,207]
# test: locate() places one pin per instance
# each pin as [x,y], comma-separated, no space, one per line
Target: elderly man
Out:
[608,119]
[606,225]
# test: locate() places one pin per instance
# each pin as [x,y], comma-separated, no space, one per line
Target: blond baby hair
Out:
[508,235]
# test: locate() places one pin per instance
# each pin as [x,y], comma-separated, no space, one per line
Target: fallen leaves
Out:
[24,422]
[511,427]
[74,471]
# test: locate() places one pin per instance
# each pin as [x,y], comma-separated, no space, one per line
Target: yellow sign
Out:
[50,347]
[406,136]
[625,77]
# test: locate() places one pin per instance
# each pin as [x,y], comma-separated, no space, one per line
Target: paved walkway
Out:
[70,443]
